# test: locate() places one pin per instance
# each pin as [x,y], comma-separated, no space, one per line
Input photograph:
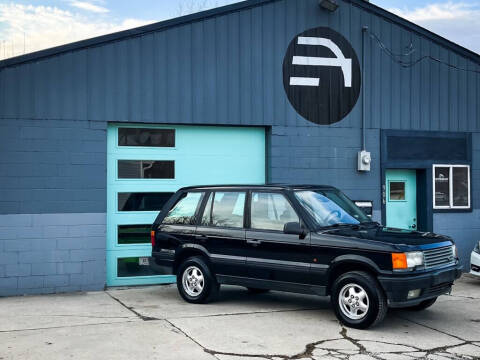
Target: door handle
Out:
[254,242]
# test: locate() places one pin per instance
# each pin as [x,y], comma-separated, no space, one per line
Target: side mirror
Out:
[294,228]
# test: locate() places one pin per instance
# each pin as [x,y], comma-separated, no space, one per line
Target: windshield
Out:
[330,207]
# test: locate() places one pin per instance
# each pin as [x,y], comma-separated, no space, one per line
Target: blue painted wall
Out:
[226,70]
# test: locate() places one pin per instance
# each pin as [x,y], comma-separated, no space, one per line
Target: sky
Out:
[31,25]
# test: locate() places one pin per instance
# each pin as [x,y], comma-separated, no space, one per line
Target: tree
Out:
[186,7]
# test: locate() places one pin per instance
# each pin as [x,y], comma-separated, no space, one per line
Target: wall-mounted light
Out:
[330,5]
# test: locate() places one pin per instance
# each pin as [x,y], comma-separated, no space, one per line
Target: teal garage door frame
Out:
[202,155]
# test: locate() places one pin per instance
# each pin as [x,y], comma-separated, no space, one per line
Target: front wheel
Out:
[358,300]
[195,282]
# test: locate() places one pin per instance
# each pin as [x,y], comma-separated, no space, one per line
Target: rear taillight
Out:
[152,237]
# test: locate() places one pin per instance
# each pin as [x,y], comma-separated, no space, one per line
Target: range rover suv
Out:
[304,239]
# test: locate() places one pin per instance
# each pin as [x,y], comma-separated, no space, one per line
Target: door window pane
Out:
[134,234]
[183,212]
[146,169]
[139,266]
[460,186]
[271,211]
[146,137]
[442,186]
[228,209]
[142,201]
[397,190]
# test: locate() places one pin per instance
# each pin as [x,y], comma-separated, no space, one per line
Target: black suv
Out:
[304,239]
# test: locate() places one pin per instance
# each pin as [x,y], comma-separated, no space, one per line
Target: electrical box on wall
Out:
[366,206]
[364,160]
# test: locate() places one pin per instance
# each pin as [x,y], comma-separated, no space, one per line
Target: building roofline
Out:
[472,55]
[130,33]
[223,10]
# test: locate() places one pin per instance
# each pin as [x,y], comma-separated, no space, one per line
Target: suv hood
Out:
[388,235]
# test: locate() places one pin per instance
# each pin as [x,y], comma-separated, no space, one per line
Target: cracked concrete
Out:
[153,322]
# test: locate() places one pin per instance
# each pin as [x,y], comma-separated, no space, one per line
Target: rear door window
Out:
[183,212]
[228,209]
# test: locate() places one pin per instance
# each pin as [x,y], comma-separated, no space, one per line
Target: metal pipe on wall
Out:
[364,30]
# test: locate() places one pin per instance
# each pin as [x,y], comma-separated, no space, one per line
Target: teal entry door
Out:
[401,199]
[146,164]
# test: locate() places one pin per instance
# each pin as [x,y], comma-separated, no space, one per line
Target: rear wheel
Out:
[195,281]
[256,290]
[423,305]
[358,300]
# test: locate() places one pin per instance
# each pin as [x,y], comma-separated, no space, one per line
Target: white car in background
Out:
[475,260]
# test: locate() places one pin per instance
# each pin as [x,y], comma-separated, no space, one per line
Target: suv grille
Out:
[439,256]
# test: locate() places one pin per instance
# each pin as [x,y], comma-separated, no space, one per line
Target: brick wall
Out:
[52,166]
[45,253]
[321,155]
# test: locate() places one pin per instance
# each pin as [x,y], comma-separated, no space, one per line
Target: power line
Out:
[408,64]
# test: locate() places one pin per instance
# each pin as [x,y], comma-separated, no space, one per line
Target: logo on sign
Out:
[321,75]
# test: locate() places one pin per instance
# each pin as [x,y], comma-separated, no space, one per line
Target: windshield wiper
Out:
[338,225]
[361,225]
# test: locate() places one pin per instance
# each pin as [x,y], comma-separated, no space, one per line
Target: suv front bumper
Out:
[432,284]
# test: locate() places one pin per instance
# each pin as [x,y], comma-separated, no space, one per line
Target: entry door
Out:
[146,164]
[401,199]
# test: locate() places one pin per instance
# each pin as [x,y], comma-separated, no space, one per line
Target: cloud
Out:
[89,7]
[46,26]
[456,21]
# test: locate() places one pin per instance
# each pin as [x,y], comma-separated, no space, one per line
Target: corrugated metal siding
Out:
[228,70]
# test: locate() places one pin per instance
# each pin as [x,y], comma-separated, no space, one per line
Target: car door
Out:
[272,254]
[221,231]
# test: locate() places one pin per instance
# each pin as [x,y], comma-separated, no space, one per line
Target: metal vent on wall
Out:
[427,148]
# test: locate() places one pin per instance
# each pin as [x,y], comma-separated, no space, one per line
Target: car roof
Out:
[260,187]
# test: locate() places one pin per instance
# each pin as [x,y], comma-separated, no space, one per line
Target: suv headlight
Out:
[477,248]
[408,260]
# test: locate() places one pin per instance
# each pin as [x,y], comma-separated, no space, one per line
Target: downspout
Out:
[364,30]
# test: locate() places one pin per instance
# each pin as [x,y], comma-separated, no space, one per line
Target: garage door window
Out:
[146,137]
[137,266]
[451,187]
[141,201]
[146,169]
[134,234]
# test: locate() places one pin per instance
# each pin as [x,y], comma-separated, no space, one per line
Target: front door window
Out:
[271,211]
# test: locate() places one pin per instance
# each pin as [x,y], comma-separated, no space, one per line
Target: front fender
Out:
[355,259]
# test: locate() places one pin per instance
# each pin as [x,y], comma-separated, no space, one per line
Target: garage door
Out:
[147,164]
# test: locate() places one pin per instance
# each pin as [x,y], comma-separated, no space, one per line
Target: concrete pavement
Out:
[155,323]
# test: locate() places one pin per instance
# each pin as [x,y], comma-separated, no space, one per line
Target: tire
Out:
[367,309]
[202,286]
[257,291]
[423,305]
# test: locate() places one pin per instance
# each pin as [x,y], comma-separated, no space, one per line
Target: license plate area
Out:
[143,261]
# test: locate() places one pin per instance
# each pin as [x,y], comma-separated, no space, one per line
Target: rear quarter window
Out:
[183,212]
